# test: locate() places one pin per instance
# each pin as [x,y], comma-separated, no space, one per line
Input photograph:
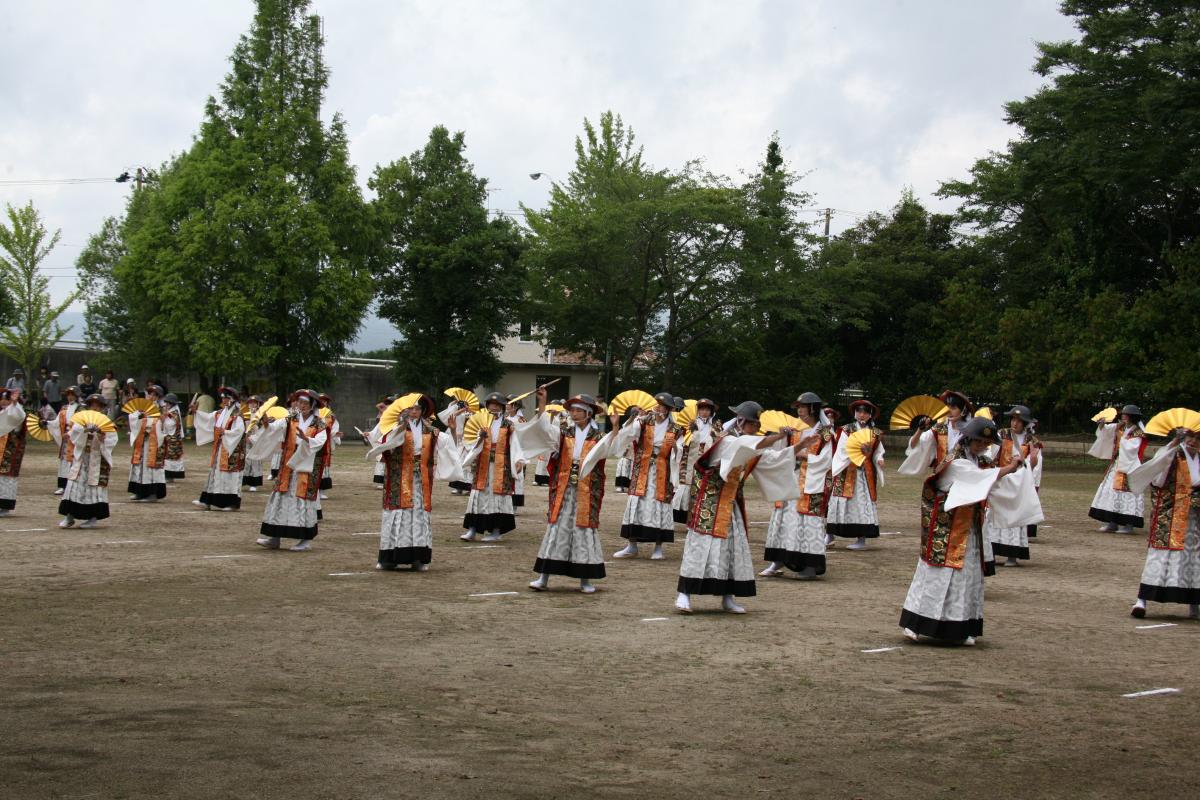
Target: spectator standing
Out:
[86,384]
[130,392]
[84,376]
[108,387]
[51,393]
[17,381]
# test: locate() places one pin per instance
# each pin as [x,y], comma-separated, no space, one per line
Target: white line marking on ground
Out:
[190,512]
[481,546]
[24,530]
[234,555]
[1159,625]
[890,533]
[1043,525]
[879,650]
[338,574]
[655,619]
[491,594]
[1149,692]
[366,533]
[128,541]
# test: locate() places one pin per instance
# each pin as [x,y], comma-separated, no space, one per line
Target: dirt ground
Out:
[164,655]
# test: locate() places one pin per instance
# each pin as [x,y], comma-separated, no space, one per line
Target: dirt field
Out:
[135,663]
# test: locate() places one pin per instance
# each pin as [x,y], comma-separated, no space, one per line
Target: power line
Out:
[56,181]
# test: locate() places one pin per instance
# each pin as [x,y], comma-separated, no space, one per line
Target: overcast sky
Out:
[868,97]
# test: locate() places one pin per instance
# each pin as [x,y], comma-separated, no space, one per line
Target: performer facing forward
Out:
[497,462]
[225,429]
[854,491]
[1123,443]
[59,427]
[1017,440]
[571,545]
[173,467]
[86,494]
[657,454]
[1172,571]
[681,505]
[414,455]
[292,510]
[147,437]
[12,448]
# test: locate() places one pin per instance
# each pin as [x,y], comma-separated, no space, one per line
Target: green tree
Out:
[447,277]
[34,328]
[251,254]
[1090,216]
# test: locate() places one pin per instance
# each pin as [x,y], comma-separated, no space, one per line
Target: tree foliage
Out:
[251,252]
[32,320]
[447,277]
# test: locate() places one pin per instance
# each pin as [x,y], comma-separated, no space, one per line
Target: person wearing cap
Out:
[293,510]
[12,448]
[945,598]
[86,494]
[1123,443]
[174,468]
[796,532]
[516,412]
[225,429]
[578,449]
[52,392]
[108,387]
[716,553]
[252,475]
[147,437]
[497,460]
[455,414]
[17,382]
[1017,440]
[59,427]
[681,504]
[854,491]
[415,454]
[932,440]
[1172,570]
[657,453]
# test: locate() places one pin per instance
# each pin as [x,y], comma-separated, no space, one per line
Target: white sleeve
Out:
[1128,457]
[919,456]
[446,463]
[205,423]
[1105,436]
[306,451]
[11,418]
[1013,500]
[841,456]
[601,450]
[535,437]
[818,468]
[968,483]
[1154,471]
[775,475]
[880,477]
[136,421]
[231,437]
[267,442]
[107,444]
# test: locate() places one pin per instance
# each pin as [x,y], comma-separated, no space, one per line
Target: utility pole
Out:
[138,183]
[828,215]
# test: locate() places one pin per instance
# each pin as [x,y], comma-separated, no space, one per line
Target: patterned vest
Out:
[944,534]
[1174,503]
[12,452]
[845,484]
[499,454]
[564,473]
[644,452]
[402,463]
[714,499]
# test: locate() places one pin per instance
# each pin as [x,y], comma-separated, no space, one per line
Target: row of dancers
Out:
[981,488]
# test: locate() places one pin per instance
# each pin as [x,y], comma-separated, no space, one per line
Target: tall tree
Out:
[1091,215]
[252,252]
[447,277]
[25,242]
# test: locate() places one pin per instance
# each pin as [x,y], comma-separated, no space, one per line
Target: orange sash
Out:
[406,470]
[662,488]
[151,449]
[66,450]
[494,454]
[283,479]
[583,490]
[1120,479]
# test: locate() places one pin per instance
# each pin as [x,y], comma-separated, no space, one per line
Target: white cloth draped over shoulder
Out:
[1154,471]
[1013,499]
[775,472]
[11,418]
[918,456]
[271,439]
[137,420]
[79,436]
[207,422]
[446,466]
[471,452]
[539,436]
[1128,454]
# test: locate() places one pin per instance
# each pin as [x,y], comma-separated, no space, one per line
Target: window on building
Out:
[525,334]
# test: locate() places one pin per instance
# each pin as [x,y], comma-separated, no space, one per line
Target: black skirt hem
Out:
[549,566]
[852,531]
[62,483]
[680,516]
[1031,531]
[541,480]
[144,490]
[1168,594]
[486,523]
[175,476]
[405,555]
[518,501]
[715,586]
[84,511]
[8,505]
[287,531]
[1113,518]
[221,500]
[1010,551]
[252,480]
[622,482]
[643,533]
[326,483]
[378,479]
[794,560]
[947,630]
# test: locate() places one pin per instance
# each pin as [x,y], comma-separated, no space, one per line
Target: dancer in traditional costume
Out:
[292,511]
[1123,443]
[716,554]
[657,454]
[86,494]
[854,491]
[59,428]
[681,504]
[516,412]
[625,460]
[450,416]
[325,408]
[1017,440]
[541,471]
[147,437]
[225,430]
[497,460]
[173,430]
[1172,571]
[945,598]
[252,475]
[929,444]
[571,544]
[414,454]
[12,448]
[796,532]
[373,437]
